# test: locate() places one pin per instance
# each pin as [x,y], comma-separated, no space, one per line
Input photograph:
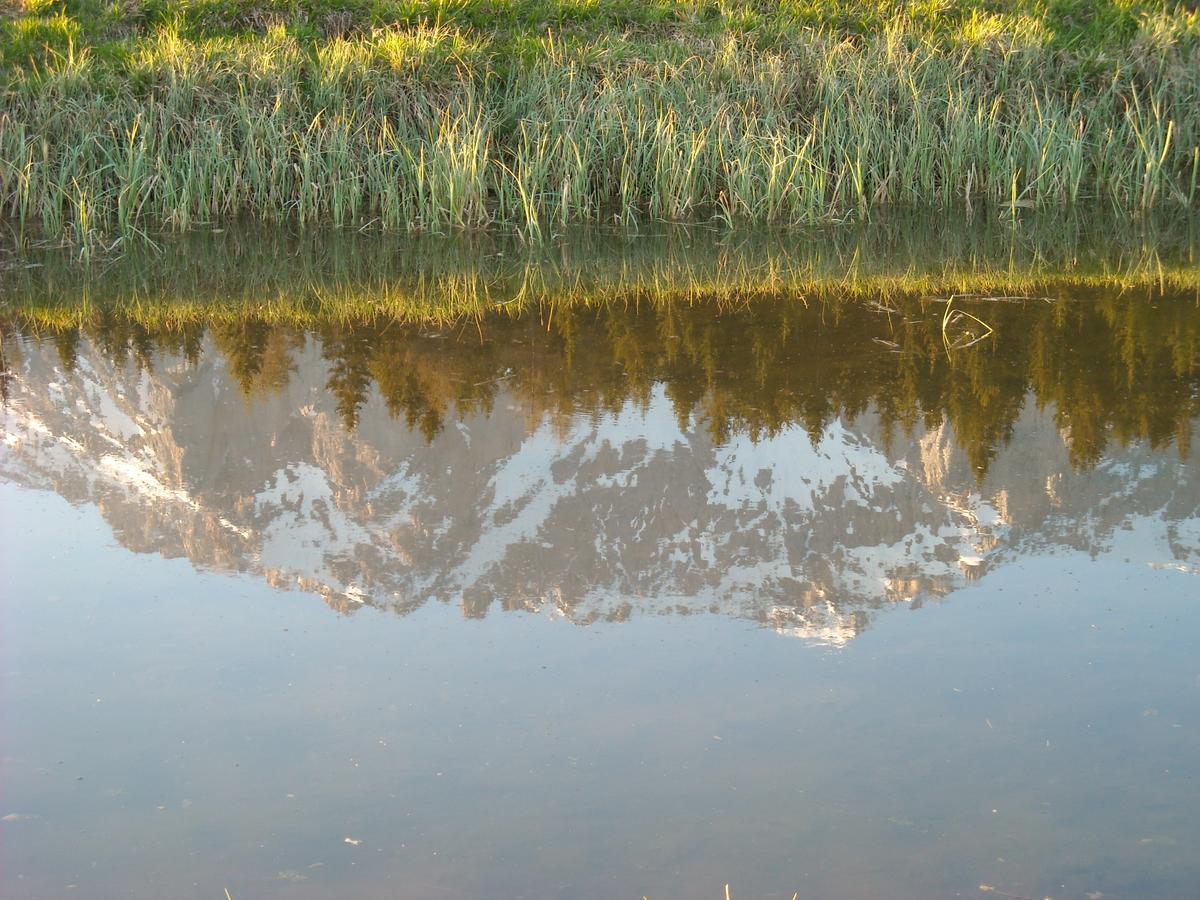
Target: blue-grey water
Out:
[503,611]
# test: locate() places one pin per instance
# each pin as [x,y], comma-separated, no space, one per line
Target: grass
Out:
[122,118]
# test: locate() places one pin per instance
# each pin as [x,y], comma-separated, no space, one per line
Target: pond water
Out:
[837,592]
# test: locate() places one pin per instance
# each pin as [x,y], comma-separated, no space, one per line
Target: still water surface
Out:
[798,595]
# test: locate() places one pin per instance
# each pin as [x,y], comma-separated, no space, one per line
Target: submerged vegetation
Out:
[124,117]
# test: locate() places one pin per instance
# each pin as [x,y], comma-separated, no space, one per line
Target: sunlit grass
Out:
[394,118]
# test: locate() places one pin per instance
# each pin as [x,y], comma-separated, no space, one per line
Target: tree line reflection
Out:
[1112,367]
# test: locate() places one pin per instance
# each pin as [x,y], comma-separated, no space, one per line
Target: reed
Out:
[434,127]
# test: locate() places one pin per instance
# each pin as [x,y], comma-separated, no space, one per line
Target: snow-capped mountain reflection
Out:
[595,516]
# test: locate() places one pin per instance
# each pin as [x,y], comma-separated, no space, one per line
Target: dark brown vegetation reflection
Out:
[1113,368]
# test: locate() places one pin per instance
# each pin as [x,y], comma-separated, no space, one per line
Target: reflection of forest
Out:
[1113,367]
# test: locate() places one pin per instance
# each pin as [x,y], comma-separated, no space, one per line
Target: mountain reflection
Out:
[799,464]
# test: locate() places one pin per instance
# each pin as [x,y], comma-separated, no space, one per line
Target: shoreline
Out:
[182,115]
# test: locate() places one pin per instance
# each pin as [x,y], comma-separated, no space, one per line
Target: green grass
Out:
[126,117]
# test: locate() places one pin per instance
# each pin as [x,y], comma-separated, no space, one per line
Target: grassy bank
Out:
[535,114]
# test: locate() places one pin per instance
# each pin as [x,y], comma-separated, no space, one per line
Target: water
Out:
[823,593]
